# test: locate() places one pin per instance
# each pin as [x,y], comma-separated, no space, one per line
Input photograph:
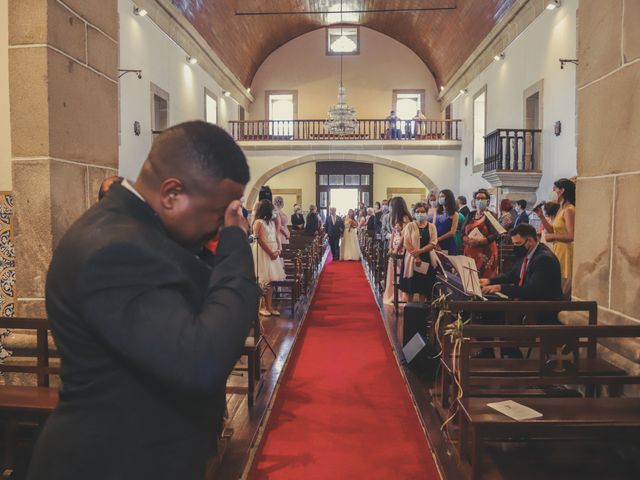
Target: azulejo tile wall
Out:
[7,257]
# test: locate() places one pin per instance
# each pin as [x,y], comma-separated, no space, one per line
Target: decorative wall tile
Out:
[7,257]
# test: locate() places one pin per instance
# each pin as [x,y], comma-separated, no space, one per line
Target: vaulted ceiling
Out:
[443,33]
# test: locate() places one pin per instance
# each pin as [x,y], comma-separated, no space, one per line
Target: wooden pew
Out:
[516,313]
[561,362]
[26,406]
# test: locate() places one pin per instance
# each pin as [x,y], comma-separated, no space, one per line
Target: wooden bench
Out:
[26,406]
[560,363]
[517,313]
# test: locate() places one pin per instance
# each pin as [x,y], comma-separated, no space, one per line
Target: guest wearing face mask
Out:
[479,237]
[536,272]
[432,206]
[419,238]
[562,229]
[297,218]
[447,222]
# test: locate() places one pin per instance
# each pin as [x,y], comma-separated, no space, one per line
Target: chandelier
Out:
[341,118]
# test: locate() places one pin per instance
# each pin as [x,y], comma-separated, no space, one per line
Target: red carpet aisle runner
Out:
[343,410]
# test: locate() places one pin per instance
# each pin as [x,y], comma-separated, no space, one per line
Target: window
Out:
[282,108]
[364,180]
[479,128]
[210,107]
[336,179]
[343,41]
[323,180]
[159,109]
[352,179]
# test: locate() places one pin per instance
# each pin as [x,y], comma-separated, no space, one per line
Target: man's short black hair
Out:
[522,204]
[202,145]
[524,230]
[462,199]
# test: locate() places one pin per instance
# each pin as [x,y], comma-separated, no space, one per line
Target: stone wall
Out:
[607,247]
[63,61]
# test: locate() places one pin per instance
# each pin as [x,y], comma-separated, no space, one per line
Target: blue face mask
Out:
[482,204]
[441,201]
[421,217]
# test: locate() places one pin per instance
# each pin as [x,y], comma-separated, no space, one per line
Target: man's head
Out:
[332,211]
[461,201]
[524,238]
[107,183]
[521,205]
[193,172]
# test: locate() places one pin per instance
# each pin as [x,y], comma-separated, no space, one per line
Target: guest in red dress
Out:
[482,248]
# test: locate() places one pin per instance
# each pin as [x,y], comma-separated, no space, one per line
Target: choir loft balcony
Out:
[512,161]
[369,134]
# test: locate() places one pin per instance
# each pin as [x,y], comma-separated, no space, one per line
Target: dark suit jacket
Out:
[334,230]
[521,218]
[378,220]
[371,223]
[148,334]
[541,279]
[465,211]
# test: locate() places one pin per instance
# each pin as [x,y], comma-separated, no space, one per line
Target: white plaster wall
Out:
[144,46]
[5,126]
[531,57]
[441,166]
[386,177]
[370,77]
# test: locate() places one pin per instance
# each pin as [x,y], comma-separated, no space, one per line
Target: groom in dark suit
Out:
[334,226]
[147,331]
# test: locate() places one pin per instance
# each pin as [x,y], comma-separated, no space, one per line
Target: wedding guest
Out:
[371,220]
[420,124]
[462,205]
[447,222]
[479,237]
[399,212]
[297,218]
[362,219]
[313,224]
[562,230]
[419,239]
[283,232]
[395,248]
[507,214]
[269,265]
[521,213]
[432,206]
[550,210]
[392,126]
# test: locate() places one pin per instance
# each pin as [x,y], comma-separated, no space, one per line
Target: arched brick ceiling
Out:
[443,39]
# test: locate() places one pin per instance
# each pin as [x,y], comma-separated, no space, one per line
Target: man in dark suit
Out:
[462,206]
[521,210]
[334,227]
[536,273]
[147,331]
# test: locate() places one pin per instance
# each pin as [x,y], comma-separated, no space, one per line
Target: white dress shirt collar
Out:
[128,186]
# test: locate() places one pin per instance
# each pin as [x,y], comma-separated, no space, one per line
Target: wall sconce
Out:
[557,128]
[553,4]
[567,60]
[140,12]
[136,128]
[441,88]
[464,91]
[191,60]
[227,93]
[124,71]
[498,57]
[249,90]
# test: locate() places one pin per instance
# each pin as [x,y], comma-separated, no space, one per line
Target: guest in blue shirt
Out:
[447,222]
[521,213]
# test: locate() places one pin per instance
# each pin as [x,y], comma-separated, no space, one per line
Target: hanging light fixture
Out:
[341,118]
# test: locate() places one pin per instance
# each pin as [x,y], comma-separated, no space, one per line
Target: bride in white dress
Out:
[349,246]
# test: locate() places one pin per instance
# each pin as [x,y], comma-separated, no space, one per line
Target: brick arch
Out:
[332,157]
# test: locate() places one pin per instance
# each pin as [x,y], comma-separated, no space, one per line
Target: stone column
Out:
[607,246]
[63,57]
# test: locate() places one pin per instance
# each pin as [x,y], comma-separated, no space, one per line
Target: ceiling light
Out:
[192,60]
[227,93]
[141,12]
[498,57]
[553,4]
[463,91]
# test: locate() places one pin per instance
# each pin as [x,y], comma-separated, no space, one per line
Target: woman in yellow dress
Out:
[562,229]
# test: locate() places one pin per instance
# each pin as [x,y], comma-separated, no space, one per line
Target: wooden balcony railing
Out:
[369,129]
[515,150]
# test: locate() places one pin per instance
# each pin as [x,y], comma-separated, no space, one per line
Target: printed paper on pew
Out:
[515,410]
[495,223]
